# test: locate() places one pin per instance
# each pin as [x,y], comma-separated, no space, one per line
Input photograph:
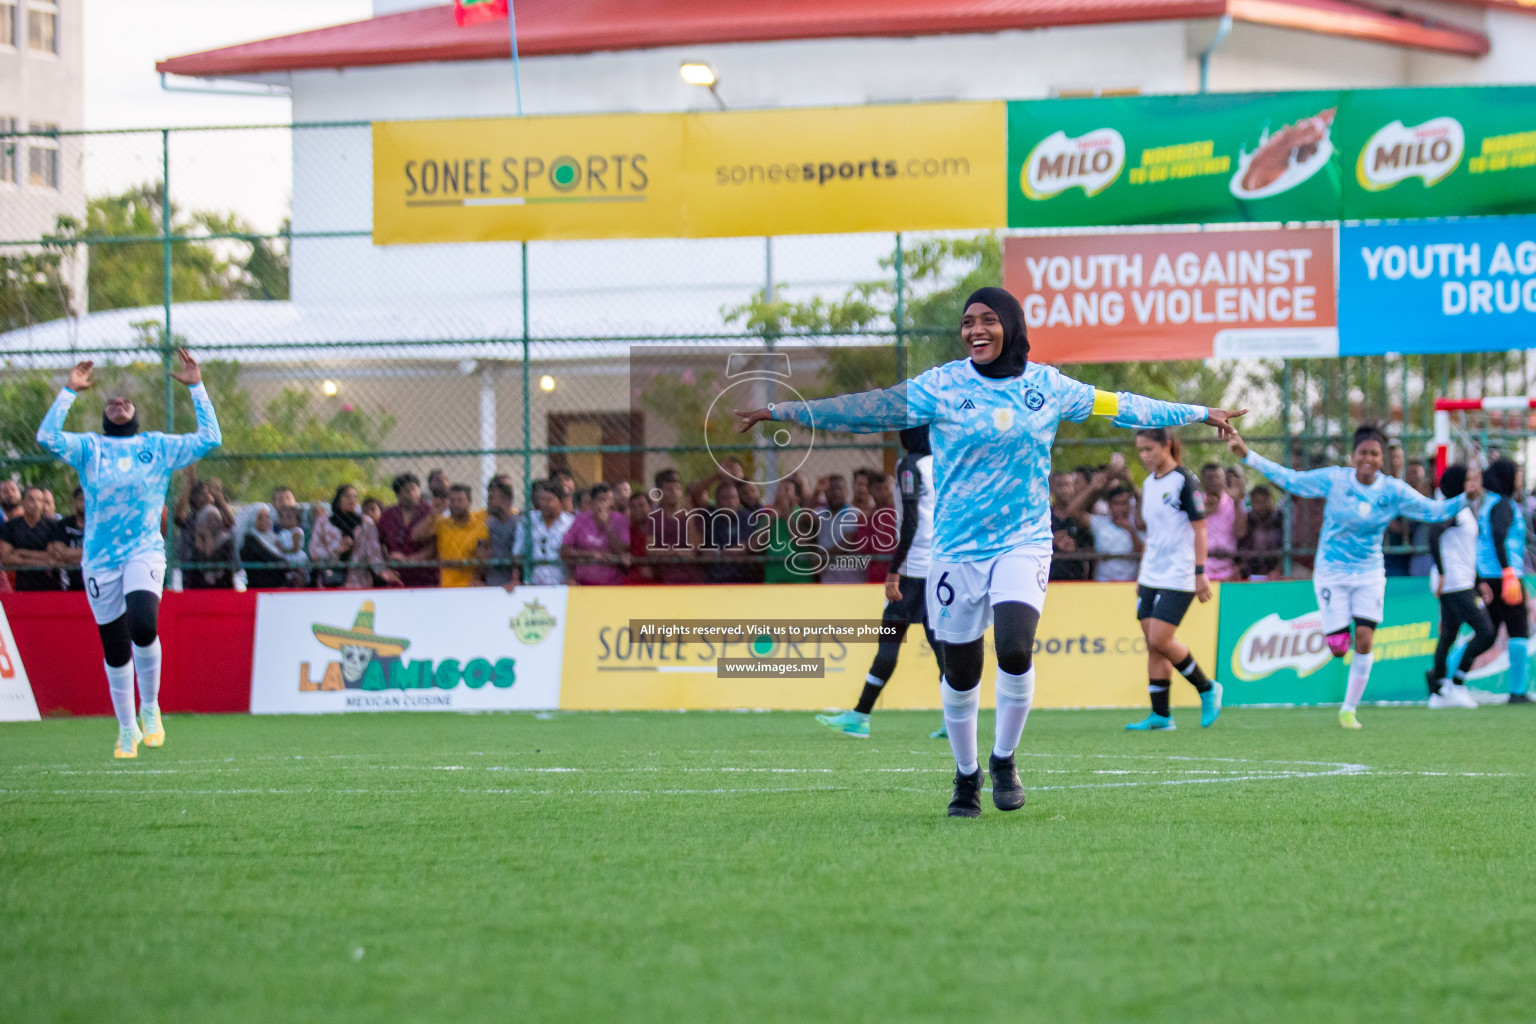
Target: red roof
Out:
[546,27]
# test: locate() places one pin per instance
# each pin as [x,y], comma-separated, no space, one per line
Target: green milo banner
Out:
[1270,647]
[1294,156]
[1438,152]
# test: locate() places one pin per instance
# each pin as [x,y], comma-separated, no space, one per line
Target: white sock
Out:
[120,680]
[1359,675]
[1014,695]
[960,711]
[146,661]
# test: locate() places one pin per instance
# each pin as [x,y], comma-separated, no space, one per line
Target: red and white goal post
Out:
[1445,406]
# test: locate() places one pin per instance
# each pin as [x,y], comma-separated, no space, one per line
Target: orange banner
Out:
[1176,295]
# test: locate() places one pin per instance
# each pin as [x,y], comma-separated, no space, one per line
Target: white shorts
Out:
[1341,602]
[105,588]
[960,595]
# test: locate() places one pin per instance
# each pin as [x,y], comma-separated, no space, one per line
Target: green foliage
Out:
[937,274]
[286,426]
[32,288]
[132,274]
[25,397]
[679,400]
[290,426]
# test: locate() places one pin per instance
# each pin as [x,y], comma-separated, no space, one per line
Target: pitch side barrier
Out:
[589,648]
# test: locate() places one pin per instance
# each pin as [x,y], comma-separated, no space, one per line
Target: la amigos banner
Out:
[471,649]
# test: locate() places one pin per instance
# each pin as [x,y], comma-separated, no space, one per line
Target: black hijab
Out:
[128,429]
[1010,362]
[346,522]
[915,440]
[1499,478]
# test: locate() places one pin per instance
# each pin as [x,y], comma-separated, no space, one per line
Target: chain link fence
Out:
[332,360]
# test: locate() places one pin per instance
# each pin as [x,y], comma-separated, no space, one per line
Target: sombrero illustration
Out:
[361,635]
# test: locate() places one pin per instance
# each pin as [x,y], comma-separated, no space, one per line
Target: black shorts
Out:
[1163,605]
[1511,616]
[911,607]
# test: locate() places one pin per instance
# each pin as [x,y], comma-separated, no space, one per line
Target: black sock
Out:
[1158,688]
[1434,682]
[1189,670]
[868,697]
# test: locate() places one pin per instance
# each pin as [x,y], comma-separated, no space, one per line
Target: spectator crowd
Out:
[718,529]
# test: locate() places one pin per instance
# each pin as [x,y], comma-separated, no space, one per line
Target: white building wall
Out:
[1257,58]
[38,89]
[822,72]
[1511,61]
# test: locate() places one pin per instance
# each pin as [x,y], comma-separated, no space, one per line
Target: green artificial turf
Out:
[754,867]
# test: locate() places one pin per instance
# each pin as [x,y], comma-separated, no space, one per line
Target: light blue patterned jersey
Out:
[1355,515]
[991,443]
[1488,566]
[125,478]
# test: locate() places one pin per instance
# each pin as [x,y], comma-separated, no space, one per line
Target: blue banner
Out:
[1437,286]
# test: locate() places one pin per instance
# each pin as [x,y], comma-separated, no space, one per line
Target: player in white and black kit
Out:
[1454,546]
[904,582]
[1172,575]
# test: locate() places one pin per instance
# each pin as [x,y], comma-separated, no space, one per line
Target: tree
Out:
[32,289]
[234,263]
[288,426]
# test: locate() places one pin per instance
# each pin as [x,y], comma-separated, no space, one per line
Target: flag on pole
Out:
[472,12]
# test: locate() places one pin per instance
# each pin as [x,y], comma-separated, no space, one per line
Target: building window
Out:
[7,24]
[43,158]
[43,28]
[8,147]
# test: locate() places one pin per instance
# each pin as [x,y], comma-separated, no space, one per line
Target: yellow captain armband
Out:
[1106,403]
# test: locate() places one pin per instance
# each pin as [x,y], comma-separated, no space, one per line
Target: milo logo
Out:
[1273,644]
[1090,162]
[1427,151]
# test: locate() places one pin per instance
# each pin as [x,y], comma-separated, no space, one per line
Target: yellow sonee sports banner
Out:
[730,173]
[912,167]
[500,179]
[1089,650]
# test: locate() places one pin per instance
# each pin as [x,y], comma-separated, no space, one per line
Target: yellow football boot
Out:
[152,727]
[128,742]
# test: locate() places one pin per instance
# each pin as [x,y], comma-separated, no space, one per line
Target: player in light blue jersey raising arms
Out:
[992,418]
[1349,576]
[124,474]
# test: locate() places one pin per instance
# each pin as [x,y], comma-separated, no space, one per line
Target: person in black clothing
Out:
[728,530]
[69,543]
[906,581]
[1070,541]
[262,558]
[1453,545]
[1500,561]
[24,541]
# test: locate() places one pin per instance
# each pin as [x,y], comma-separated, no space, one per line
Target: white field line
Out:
[1177,770]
